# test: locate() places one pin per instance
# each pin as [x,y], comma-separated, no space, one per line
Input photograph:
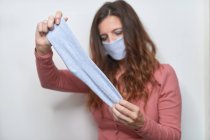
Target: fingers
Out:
[129,105]
[58,16]
[42,27]
[50,22]
[46,25]
[121,117]
[125,111]
[39,27]
[128,114]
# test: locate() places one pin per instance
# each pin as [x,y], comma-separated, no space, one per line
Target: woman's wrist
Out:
[42,51]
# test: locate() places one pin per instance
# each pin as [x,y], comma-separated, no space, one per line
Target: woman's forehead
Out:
[109,23]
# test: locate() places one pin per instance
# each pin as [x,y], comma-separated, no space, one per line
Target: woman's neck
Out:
[121,64]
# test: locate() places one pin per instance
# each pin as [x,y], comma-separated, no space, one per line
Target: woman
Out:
[122,49]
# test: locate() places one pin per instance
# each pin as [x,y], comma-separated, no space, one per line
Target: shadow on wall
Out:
[71,114]
[73,102]
[190,114]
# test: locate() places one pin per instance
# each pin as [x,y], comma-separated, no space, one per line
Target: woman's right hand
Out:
[43,46]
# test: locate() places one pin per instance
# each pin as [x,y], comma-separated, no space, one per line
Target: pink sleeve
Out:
[169,108]
[52,78]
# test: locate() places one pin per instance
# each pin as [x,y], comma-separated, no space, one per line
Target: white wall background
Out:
[179,28]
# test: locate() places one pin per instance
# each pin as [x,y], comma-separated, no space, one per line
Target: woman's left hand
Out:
[128,114]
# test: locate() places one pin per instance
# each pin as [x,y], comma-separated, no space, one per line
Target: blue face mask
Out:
[115,49]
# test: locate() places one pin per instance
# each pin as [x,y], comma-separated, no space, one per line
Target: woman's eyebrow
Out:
[103,34]
[120,28]
[117,29]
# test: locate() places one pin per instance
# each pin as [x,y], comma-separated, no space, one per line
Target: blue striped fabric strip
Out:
[80,64]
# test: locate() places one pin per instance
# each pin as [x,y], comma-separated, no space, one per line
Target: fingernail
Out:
[52,28]
[57,21]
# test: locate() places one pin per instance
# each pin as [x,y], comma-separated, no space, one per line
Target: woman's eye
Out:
[103,38]
[118,32]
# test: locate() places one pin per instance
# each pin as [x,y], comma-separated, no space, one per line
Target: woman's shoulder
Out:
[164,72]
[165,68]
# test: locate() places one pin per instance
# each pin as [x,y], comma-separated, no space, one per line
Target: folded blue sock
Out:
[80,64]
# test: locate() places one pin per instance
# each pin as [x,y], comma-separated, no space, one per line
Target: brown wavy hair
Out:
[140,61]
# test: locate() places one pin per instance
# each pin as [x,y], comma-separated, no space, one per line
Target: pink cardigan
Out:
[162,114]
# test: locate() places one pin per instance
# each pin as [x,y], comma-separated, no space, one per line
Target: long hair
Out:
[140,61]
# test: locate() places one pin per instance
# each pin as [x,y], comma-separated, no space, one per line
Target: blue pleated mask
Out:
[81,65]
